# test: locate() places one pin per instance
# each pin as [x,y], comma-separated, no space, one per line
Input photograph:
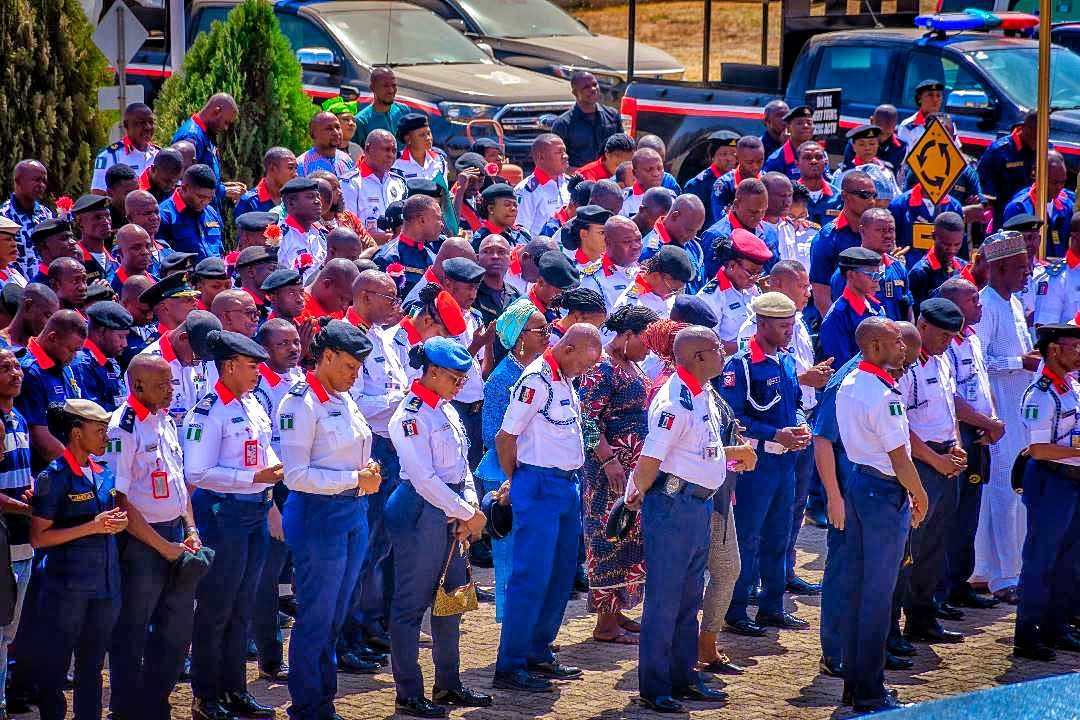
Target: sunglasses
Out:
[873,274]
[864,194]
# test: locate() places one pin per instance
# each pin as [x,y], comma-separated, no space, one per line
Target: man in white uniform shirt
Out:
[543,193]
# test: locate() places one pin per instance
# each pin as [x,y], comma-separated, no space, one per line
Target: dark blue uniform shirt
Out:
[891,152]
[895,293]
[1005,168]
[827,207]
[723,228]
[723,193]
[1057,220]
[837,334]
[187,231]
[45,385]
[783,160]
[256,199]
[702,186]
[99,377]
[835,237]
[927,274]
[194,131]
[763,391]
[908,210]
[414,258]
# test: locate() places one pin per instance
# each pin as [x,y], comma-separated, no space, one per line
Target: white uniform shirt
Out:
[794,240]
[632,197]
[1037,285]
[300,249]
[685,431]
[433,165]
[11,274]
[802,349]
[1050,407]
[381,385]
[121,152]
[402,337]
[545,415]
[325,442]
[433,450]
[189,383]
[639,293]
[969,371]
[909,132]
[1061,300]
[473,390]
[144,452]
[730,305]
[608,279]
[270,391]
[227,441]
[366,196]
[928,389]
[871,418]
[539,197]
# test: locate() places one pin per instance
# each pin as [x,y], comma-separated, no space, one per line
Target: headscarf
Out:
[512,321]
[659,338]
[339,105]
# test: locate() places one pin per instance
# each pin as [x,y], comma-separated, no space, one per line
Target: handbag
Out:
[460,599]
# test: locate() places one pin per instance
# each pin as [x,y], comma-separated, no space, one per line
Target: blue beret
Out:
[96,292]
[693,310]
[345,337]
[88,203]
[942,313]
[856,257]
[446,353]
[256,221]
[864,132]
[462,269]
[225,345]
[593,214]
[211,268]
[410,122]
[724,138]
[175,261]
[799,111]
[1055,332]
[279,279]
[111,315]
[297,185]
[480,145]
[199,324]
[255,254]
[500,518]
[49,228]
[495,191]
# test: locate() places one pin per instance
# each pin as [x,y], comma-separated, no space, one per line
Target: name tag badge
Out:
[1074,438]
[159,484]
[971,392]
[711,452]
[251,453]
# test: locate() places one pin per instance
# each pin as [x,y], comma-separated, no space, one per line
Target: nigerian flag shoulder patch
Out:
[286,422]
[1031,412]
[896,409]
[193,432]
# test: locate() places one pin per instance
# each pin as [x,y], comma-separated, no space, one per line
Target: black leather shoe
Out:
[485,596]
[522,680]
[461,696]
[784,621]
[419,707]
[352,664]
[274,673]
[369,654]
[900,646]
[378,641]
[701,693]
[1034,651]
[245,705]
[798,586]
[662,704]
[889,703]
[934,634]
[746,627]
[892,662]
[210,710]
[830,667]
[287,605]
[554,670]
[1066,641]
[965,596]
[722,666]
[845,699]
[946,611]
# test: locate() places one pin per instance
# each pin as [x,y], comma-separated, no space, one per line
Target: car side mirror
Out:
[972,103]
[458,24]
[318,59]
[487,49]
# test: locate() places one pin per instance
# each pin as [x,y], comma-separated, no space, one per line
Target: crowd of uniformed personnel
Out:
[404,364]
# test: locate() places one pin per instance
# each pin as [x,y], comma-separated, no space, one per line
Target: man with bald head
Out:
[331,293]
[383,112]
[189,379]
[368,191]
[324,154]
[160,178]
[38,303]
[654,205]
[142,210]
[135,149]
[608,195]
[136,252]
[544,413]
[648,168]
[24,206]
[48,382]
[494,293]
[215,117]
[453,247]
[680,226]
[747,212]
[527,269]
[143,328]
[586,125]
[613,271]
[67,278]
[237,312]
[421,225]
[541,194]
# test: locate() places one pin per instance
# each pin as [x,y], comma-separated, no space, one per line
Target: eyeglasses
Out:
[864,194]
[872,274]
[458,380]
[393,299]
[546,330]
[253,314]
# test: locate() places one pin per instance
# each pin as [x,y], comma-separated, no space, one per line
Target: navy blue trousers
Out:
[920,579]
[804,475]
[964,521]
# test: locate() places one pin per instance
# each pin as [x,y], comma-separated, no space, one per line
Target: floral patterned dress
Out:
[612,405]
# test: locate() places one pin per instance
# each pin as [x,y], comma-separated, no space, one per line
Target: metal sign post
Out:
[1043,132]
[119,36]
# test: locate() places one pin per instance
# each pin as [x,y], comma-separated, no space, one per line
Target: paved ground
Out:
[782,680]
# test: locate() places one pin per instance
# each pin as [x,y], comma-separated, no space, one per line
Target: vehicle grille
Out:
[521,121]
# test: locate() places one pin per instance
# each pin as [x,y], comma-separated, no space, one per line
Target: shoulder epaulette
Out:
[115,146]
[204,405]
[1056,269]
[591,267]
[299,389]
[685,398]
[710,287]
[127,420]
[413,404]
[532,183]
[1043,383]
[351,174]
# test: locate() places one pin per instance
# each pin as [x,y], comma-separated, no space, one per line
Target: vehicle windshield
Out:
[1014,70]
[402,37]
[521,18]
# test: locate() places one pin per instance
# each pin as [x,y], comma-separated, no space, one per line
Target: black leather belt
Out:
[940,447]
[873,472]
[673,485]
[1072,472]
[470,408]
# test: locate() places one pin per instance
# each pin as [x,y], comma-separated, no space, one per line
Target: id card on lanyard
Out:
[251,453]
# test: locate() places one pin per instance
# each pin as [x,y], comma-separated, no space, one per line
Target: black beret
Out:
[500,518]
[199,323]
[345,337]
[674,261]
[864,132]
[49,228]
[925,85]
[1022,223]
[470,160]
[111,315]
[800,111]
[619,521]
[256,221]
[225,345]
[96,292]
[88,203]
[496,191]
[593,214]
[855,257]
[942,313]
[395,213]
[298,185]
[279,279]
[462,269]
[211,268]
[481,145]
[11,297]
[557,270]
[1054,332]
[172,286]
[693,310]
[255,254]
[423,186]
[175,261]
[410,122]
[724,138]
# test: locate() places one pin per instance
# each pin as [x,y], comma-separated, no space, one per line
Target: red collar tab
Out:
[295,224]
[430,277]
[407,241]
[636,189]
[920,119]
[916,198]
[734,221]
[534,301]
[1033,197]
[715,170]
[87,257]
[880,372]
[563,215]
[887,259]
[167,352]
[1072,259]
[141,411]
[722,280]
[607,264]
[1060,385]
[269,375]
[1016,141]
[410,331]
[841,222]
[515,259]
[643,287]
[789,153]
[263,193]
[541,177]
[99,356]
[40,355]
[144,180]
[258,300]
[662,231]
[354,317]
[581,258]
[317,387]
[128,145]
[826,189]
[964,334]
[73,464]
[407,156]
[549,358]
[688,380]
[493,228]
[430,398]
[43,269]
[857,303]
[366,170]
[756,353]
[223,392]
[178,201]
[198,121]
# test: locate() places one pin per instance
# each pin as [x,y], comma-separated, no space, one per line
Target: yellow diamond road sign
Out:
[936,161]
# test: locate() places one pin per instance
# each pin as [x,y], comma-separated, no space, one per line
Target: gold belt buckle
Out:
[673,484]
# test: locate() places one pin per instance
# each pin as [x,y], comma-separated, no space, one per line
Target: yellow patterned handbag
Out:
[460,599]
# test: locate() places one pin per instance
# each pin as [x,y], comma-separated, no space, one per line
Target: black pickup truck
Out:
[990,84]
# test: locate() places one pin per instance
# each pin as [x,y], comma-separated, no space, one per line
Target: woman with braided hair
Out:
[659,339]
[582,305]
[614,418]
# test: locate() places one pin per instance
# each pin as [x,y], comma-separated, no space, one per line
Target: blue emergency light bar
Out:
[974,19]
